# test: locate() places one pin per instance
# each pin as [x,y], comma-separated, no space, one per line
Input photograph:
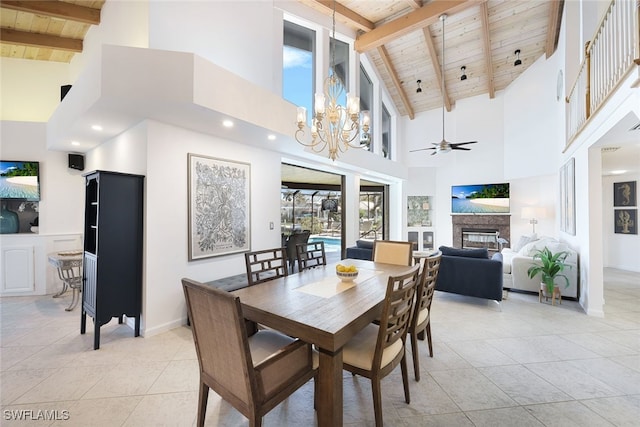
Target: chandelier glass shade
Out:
[334,127]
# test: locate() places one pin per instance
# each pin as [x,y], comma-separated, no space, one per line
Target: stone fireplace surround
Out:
[501,223]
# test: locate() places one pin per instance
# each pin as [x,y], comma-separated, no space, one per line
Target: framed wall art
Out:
[419,211]
[219,196]
[624,194]
[568,197]
[626,221]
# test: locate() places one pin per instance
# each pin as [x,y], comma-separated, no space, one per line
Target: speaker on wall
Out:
[64,89]
[76,161]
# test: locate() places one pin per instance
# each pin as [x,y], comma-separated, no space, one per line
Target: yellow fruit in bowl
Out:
[346,268]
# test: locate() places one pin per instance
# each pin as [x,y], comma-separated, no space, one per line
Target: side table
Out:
[69,266]
[418,256]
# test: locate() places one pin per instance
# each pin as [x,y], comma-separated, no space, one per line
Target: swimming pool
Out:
[331,244]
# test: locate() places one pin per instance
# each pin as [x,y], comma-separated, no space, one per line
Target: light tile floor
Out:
[529,364]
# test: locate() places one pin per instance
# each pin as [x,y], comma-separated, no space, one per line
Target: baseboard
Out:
[149,332]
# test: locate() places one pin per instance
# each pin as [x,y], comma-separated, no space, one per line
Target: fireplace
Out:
[473,238]
[480,231]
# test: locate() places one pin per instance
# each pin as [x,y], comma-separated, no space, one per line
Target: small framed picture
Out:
[626,221]
[624,194]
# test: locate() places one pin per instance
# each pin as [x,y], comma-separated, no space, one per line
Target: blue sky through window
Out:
[297,77]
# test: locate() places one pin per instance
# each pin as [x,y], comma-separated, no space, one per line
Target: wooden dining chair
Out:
[375,351]
[264,265]
[393,252]
[310,255]
[253,374]
[421,320]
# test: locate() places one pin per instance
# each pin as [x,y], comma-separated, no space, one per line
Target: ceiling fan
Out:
[444,146]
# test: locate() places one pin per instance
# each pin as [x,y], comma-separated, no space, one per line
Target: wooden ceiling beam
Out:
[420,18]
[414,4]
[553,28]
[484,15]
[353,19]
[384,55]
[57,9]
[40,40]
[437,68]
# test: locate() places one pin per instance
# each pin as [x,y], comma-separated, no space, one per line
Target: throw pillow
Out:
[468,253]
[530,249]
[527,238]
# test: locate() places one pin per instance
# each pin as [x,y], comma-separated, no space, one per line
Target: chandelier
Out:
[334,127]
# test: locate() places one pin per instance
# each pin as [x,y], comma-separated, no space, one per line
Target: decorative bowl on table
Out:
[346,273]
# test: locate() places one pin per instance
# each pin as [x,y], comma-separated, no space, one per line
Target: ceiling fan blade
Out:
[455,144]
[460,148]
[422,149]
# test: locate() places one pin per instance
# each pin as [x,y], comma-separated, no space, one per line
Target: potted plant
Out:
[551,267]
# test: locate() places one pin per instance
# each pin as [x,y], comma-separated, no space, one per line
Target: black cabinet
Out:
[113,235]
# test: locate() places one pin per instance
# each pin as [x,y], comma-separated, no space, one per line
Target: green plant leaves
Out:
[550,267]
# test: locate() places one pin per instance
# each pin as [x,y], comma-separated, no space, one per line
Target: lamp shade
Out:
[531,212]
[528,212]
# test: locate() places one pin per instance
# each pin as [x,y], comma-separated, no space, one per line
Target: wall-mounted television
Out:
[19,180]
[480,199]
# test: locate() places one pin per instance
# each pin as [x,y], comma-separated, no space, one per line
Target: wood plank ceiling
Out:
[46,30]
[403,39]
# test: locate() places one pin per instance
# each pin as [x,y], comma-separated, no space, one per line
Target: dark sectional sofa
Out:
[470,272]
[362,250]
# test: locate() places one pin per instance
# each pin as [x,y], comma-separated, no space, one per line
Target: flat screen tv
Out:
[480,199]
[19,180]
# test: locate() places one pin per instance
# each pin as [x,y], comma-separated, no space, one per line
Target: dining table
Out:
[317,307]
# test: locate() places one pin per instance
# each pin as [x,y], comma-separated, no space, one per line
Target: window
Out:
[372,211]
[386,132]
[366,103]
[339,52]
[298,65]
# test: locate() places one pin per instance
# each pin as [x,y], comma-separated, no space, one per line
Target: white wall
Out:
[126,153]
[620,250]
[534,121]
[237,35]
[61,206]
[122,22]
[30,89]
[166,239]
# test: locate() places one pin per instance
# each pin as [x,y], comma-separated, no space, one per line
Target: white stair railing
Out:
[612,53]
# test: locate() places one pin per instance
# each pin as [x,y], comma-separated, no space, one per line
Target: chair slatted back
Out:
[427,285]
[221,341]
[310,255]
[397,310]
[393,252]
[265,265]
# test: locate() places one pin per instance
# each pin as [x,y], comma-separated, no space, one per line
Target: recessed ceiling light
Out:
[618,172]
[609,149]
[271,137]
[227,123]
[96,127]
[76,143]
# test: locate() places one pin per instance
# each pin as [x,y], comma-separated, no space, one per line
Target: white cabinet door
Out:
[17,269]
